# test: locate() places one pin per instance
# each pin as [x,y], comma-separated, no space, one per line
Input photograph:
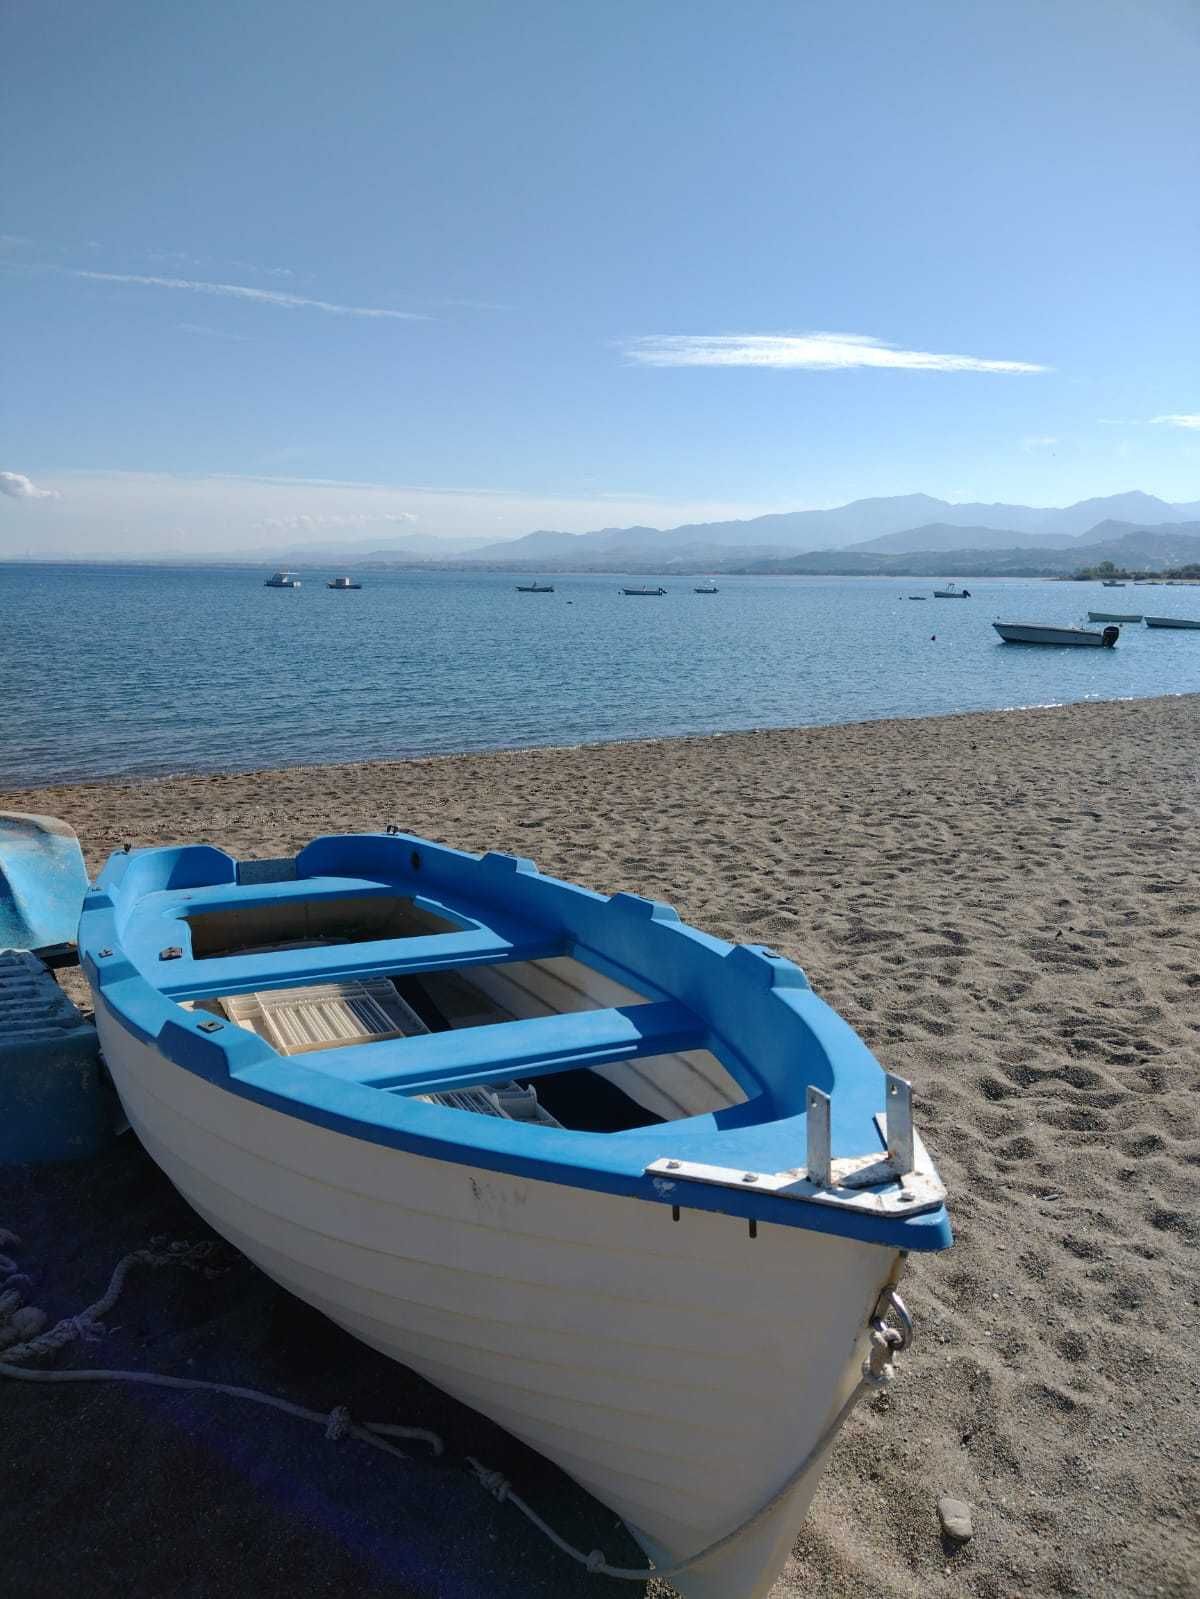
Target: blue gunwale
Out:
[750,1006]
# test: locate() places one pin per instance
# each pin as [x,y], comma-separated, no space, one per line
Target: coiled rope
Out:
[338,1423]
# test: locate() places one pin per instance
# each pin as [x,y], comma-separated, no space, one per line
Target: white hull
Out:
[1027,633]
[679,1371]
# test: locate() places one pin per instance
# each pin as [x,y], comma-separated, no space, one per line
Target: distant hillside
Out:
[861,522]
[945,536]
[1151,550]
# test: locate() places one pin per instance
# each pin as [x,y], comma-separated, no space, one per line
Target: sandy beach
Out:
[1006,906]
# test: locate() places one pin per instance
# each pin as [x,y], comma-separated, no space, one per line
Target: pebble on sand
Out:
[955,1517]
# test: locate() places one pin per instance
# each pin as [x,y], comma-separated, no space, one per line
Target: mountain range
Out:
[1127,547]
[845,526]
[885,527]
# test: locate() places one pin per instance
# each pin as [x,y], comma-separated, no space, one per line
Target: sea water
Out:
[113,671]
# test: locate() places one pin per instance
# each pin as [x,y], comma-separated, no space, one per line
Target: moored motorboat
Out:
[1028,633]
[1114,616]
[1113,583]
[342,583]
[535,588]
[620,1185]
[644,591]
[1171,621]
[282,580]
[706,588]
[952,592]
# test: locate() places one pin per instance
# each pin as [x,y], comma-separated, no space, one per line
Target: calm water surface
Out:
[107,671]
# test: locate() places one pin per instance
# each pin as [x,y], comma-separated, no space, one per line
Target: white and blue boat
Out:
[635,1193]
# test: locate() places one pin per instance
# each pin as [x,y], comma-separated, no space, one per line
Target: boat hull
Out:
[1027,633]
[1171,621]
[679,1371]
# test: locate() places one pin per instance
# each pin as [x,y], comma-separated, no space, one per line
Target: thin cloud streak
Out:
[307,522]
[198,330]
[1178,419]
[814,352]
[239,291]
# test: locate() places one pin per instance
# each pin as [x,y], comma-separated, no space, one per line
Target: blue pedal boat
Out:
[635,1193]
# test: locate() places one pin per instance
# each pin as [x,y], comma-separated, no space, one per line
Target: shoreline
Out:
[1004,905]
[10,789]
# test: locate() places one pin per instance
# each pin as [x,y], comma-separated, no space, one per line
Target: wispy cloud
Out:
[1177,419]
[305,521]
[239,291]
[1039,441]
[18,487]
[199,331]
[265,271]
[815,352]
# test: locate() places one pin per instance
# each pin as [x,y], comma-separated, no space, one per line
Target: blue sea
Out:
[116,671]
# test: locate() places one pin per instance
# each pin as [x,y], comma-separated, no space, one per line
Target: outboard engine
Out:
[1110,636]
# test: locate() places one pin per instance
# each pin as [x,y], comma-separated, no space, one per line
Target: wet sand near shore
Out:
[1006,906]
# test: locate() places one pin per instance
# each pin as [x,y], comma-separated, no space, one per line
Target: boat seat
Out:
[184,978]
[501,1051]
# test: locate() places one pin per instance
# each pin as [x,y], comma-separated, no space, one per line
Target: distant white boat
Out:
[706,588]
[952,592]
[282,580]
[342,583]
[644,591]
[1113,583]
[1171,621]
[1028,633]
[1115,616]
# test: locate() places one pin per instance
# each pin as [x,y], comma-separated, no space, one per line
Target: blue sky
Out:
[621,262]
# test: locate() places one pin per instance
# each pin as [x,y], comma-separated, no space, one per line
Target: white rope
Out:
[877,1371]
[597,1561]
[338,1423]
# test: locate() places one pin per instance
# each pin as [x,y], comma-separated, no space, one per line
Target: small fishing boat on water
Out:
[342,583]
[1114,616]
[644,591]
[706,588]
[1172,621]
[282,580]
[635,1193]
[952,592]
[1113,583]
[535,588]
[918,596]
[1028,633]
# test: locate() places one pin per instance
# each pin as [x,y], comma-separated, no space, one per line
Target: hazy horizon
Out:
[324,537]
